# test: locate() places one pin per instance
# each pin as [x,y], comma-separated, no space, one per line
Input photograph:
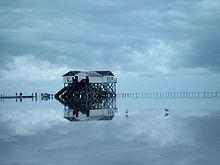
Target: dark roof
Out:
[71,73]
[102,118]
[107,117]
[104,73]
[71,118]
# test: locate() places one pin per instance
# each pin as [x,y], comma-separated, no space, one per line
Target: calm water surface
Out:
[37,133]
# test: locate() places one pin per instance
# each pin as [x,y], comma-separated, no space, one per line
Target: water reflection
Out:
[84,109]
[36,133]
[33,97]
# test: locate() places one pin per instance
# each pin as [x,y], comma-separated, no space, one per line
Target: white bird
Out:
[126,111]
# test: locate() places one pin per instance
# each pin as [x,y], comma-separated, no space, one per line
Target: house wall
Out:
[95,112]
[92,79]
[109,79]
[81,76]
[68,79]
[95,80]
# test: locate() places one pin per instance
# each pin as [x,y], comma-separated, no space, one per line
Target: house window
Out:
[69,79]
[109,78]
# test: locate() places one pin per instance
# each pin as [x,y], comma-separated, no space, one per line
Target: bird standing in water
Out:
[166,112]
[126,113]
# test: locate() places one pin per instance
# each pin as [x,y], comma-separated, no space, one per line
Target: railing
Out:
[203,94]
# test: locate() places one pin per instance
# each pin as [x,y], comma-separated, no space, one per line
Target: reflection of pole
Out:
[35,96]
[87,113]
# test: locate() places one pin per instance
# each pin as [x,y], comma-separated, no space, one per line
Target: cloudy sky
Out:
[146,39]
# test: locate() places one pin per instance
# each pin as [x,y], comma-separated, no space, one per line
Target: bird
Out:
[126,113]
[166,114]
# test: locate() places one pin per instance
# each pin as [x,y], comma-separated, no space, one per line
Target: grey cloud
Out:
[93,35]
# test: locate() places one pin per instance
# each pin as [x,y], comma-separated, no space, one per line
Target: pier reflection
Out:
[83,109]
[33,97]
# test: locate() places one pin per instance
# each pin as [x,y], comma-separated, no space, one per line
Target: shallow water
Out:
[38,133]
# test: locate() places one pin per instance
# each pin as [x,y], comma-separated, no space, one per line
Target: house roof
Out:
[107,117]
[90,118]
[94,73]
[90,73]
[71,73]
[105,73]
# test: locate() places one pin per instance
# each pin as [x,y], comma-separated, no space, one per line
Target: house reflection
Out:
[81,109]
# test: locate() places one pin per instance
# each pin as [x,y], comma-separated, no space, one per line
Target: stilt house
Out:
[91,84]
